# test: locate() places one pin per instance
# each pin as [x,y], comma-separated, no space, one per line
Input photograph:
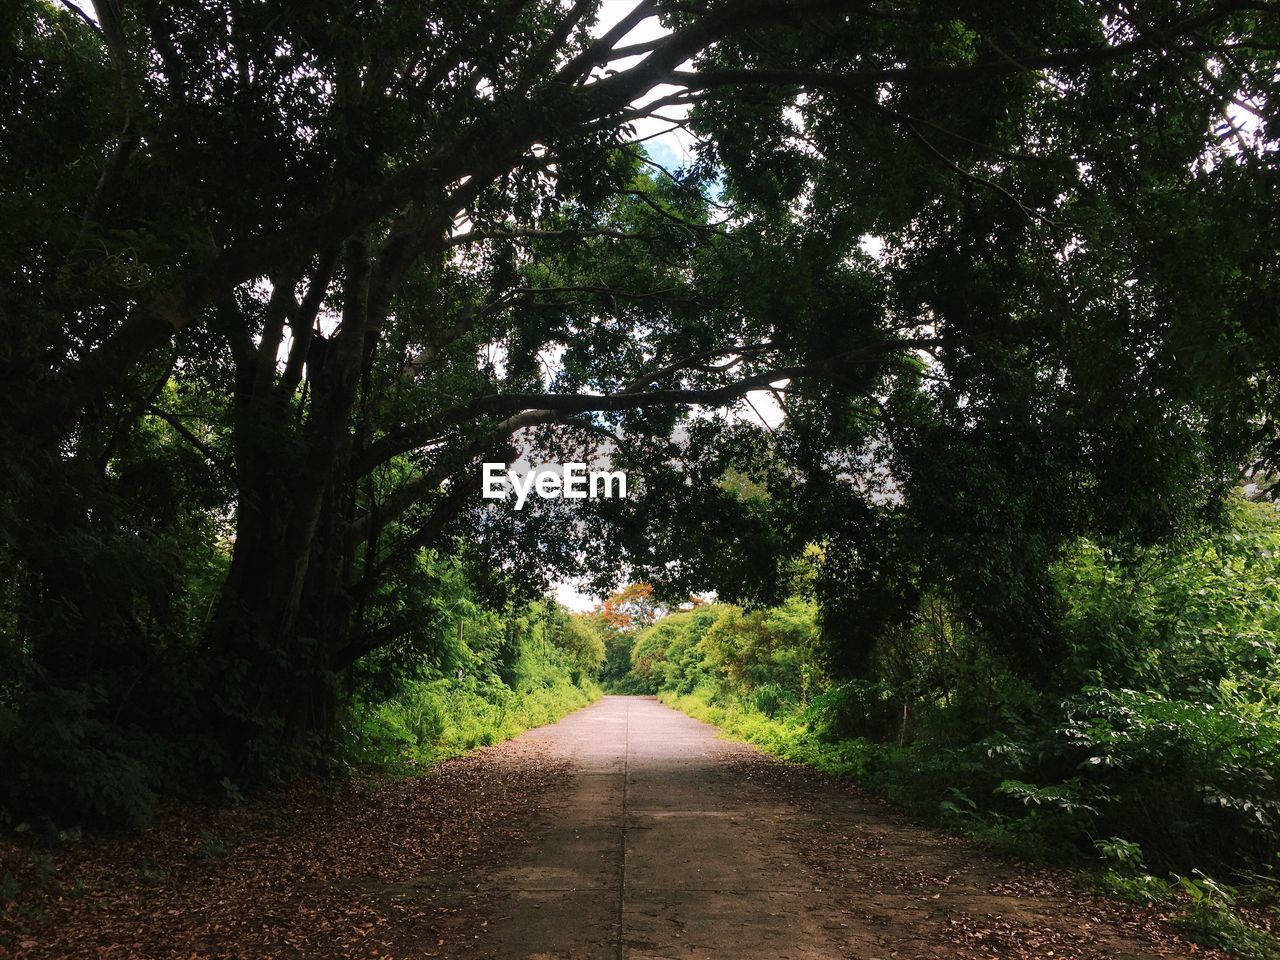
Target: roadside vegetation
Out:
[1150,753]
[469,674]
[495,677]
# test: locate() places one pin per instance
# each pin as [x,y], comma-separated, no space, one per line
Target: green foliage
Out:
[1140,888]
[1159,730]
[615,673]
[1126,875]
[431,720]
[582,640]
[502,675]
[251,361]
[68,764]
[1160,725]
[467,676]
[1212,920]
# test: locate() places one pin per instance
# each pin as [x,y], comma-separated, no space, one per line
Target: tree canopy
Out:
[278,277]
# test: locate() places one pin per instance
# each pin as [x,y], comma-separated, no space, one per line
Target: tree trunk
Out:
[283,609]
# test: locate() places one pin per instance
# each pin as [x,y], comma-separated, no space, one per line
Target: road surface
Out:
[664,841]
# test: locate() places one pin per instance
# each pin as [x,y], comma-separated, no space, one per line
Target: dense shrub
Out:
[502,675]
[1159,726]
[430,720]
[466,676]
[65,762]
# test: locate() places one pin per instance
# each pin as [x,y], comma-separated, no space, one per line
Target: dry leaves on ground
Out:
[369,870]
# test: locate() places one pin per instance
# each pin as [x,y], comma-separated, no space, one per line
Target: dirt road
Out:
[666,842]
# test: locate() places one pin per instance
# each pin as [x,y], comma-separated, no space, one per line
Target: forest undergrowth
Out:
[1149,757]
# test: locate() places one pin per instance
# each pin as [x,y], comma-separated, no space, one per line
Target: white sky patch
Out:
[326,323]
[761,407]
[568,595]
[494,356]
[671,148]
[551,359]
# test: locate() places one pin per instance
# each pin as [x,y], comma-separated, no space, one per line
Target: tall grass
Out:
[430,720]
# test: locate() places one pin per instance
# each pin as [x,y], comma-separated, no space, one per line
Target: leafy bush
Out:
[769,698]
[1212,921]
[1159,724]
[67,764]
[428,720]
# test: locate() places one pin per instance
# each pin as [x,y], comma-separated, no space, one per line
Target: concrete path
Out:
[655,850]
[667,842]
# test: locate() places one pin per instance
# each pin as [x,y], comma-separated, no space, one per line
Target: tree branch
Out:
[520,233]
[112,32]
[92,24]
[184,431]
[415,435]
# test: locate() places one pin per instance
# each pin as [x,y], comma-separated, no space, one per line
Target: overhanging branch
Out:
[415,435]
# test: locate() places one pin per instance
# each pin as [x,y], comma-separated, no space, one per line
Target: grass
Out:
[431,721]
[786,736]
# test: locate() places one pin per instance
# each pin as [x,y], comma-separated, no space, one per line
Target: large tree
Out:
[1010,270]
